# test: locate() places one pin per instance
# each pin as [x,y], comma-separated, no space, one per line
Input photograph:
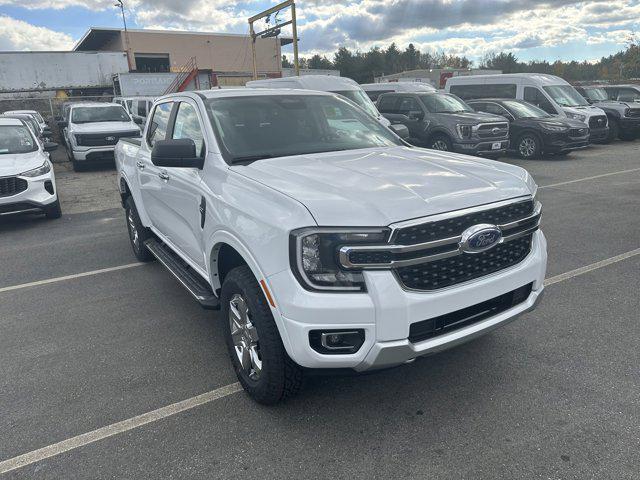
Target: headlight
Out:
[36,172]
[555,128]
[314,254]
[464,131]
[575,116]
[626,113]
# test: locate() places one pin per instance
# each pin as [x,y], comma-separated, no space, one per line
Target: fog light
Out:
[48,186]
[336,341]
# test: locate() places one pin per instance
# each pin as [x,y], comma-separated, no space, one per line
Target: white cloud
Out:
[19,35]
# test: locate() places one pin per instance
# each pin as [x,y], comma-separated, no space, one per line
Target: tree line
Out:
[364,66]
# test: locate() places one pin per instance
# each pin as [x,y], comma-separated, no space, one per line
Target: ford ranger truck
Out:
[326,246]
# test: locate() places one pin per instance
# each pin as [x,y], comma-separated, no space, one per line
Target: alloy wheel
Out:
[440,145]
[244,337]
[527,147]
[133,231]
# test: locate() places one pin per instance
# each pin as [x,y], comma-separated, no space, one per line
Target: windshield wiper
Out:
[250,158]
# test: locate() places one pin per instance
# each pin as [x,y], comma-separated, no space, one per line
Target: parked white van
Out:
[325,83]
[550,93]
[374,90]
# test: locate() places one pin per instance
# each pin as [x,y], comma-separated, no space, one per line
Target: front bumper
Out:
[484,147]
[32,200]
[630,125]
[93,154]
[387,311]
[599,134]
[563,143]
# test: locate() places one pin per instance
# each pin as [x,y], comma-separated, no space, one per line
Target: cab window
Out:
[187,125]
[535,96]
[387,104]
[408,104]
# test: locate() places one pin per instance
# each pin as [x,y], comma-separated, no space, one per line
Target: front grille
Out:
[103,139]
[578,132]
[12,186]
[451,227]
[450,322]
[464,267]
[493,130]
[100,156]
[599,121]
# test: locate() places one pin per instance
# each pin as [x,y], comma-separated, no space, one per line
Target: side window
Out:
[495,109]
[628,95]
[408,104]
[187,125]
[387,104]
[158,125]
[478,107]
[535,96]
[142,108]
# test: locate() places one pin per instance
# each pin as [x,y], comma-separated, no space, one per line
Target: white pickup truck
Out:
[326,247]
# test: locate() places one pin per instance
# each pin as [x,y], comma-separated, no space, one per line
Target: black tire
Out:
[134,226]
[614,131]
[53,211]
[441,142]
[528,146]
[279,377]
[77,166]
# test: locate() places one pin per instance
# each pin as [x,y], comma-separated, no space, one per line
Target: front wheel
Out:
[441,142]
[258,356]
[528,146]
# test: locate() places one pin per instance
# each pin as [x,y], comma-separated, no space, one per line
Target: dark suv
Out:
[624,117]
[442,121]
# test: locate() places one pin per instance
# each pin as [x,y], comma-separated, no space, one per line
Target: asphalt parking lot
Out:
[554,395]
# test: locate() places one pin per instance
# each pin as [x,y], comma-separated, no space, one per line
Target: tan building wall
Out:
[218,52]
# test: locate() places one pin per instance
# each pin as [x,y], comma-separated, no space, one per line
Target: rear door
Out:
[148,174]
[183,205]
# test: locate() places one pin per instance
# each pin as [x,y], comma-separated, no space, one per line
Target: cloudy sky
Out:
[532,29]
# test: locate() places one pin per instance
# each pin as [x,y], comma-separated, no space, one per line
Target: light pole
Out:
[120,5]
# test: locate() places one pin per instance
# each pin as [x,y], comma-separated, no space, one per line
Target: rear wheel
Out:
[53,211]
[137,232]
[528,146]
[441,142]
[258,356]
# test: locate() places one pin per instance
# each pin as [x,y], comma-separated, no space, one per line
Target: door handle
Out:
[164,176]
[140,165]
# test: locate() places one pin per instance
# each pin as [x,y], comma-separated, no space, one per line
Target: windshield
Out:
[524,110]
[16,139]
[361,99]
[256,127]
[596,94]
[565,95]
[111,113]
[445,103]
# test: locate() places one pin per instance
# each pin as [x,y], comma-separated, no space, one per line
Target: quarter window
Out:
[159,123]
[495,90]
[187,125]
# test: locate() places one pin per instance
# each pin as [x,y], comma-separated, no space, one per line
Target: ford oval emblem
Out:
[110,139]
[480,238]
[495,130]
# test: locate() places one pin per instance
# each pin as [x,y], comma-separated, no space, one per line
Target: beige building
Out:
[223,54]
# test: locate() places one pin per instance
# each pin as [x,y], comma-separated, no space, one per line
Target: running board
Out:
[192,281]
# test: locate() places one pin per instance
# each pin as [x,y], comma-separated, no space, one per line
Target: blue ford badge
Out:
[479,238]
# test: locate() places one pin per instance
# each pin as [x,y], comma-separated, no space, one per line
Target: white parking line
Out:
[568,182]
[69,277]
[204,398]
[116,428]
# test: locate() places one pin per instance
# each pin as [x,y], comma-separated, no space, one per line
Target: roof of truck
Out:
[309,82]
[245,92]
[538,78]
[10,122]
[94,104]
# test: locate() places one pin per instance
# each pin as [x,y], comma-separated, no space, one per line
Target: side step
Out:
[192,281]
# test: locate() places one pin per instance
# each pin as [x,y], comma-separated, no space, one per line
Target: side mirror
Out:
[50,146]
[180,153]
[138,120]
[401,130]
[61,123]
[46,132]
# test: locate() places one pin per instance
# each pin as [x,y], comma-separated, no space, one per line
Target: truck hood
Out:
[105,127]
[588,110]
[11,165]
[380,186]
[475,117]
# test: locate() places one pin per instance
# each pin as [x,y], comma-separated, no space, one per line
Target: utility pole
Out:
[120,5]
[274,32]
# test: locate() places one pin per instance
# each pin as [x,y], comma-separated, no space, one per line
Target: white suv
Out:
[325,239]
[27,181]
